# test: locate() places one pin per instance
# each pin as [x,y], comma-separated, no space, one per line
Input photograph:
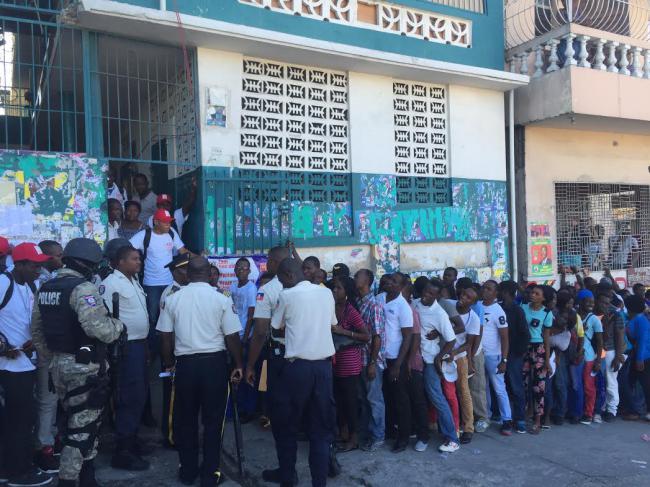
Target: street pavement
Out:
[571,455]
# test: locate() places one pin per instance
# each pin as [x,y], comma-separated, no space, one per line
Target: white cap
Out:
[449,371]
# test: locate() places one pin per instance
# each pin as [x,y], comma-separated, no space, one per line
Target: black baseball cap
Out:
[179,261]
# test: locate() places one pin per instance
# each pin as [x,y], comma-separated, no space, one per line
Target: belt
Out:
[197,356]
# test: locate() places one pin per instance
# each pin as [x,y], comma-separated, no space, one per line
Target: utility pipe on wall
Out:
[513,206]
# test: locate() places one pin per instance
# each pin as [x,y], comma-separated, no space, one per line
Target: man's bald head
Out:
[290,272]
[198,270]
[275,257]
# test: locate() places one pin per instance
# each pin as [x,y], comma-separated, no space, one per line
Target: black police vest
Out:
[61,327]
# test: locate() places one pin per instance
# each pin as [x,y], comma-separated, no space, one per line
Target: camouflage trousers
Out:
[82,424]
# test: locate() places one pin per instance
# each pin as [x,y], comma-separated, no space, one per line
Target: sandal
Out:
[265,422]
[535,430]
[346,447]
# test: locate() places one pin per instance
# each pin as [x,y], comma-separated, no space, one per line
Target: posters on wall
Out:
[226,266]
[639,275]
[217,105]
[48,196]
[541,250]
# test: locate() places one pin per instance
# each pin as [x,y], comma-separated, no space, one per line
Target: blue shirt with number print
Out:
[537,320]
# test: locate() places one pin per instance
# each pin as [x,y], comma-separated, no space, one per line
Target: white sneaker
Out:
[481,426]
[647,417]
[598,419]
[449,447]
[421,446]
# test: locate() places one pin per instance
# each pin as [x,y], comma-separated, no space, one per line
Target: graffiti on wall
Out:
[312,220]
[51,196]
[378,191]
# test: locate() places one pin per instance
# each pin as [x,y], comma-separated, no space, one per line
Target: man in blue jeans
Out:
[496,347]
[518,340]
[436,327]
[374,410]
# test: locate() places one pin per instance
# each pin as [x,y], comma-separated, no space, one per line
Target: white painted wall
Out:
[220,146]
[371,124]
[477,133]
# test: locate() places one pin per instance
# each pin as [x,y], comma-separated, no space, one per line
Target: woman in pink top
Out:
[348,360]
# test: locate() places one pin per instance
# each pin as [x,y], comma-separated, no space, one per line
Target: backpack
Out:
[10,289]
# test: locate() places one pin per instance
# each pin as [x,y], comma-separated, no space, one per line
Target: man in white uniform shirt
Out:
[306,315]
[132,386]
[197,323]
[495,347]
[434,319]
[17,373]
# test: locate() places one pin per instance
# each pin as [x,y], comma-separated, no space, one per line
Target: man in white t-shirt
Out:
[435,322]
[17,372]
[399,326]
[158,247]
[182,214]
[495,347]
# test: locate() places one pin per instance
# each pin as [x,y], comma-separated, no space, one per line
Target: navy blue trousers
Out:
[303,396]
[132,390]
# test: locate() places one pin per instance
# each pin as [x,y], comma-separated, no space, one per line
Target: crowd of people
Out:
[347,359]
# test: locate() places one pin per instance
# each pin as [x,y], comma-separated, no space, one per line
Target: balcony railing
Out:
[527,19]
[574,45]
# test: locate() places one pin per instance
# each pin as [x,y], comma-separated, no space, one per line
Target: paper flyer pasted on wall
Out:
[541,250]
[46,196]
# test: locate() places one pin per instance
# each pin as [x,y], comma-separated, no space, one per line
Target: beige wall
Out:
[555,155]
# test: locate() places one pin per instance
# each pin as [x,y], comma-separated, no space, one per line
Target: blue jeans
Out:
[433,388]
[373,409]
[630,391]
[576,391]
[601,391]
[498,383]
[515,377]
[555,396]
[132,390]
[153,309]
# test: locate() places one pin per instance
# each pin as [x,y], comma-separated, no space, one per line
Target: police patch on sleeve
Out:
[260,296]
[90,300]
[102,289]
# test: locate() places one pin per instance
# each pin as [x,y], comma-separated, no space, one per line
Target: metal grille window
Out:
[41,86]
[413,191]
[148,102]
[294,117]
[601,225]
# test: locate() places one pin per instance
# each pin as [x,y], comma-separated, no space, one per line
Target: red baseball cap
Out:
[5,248]
[163,198]
[29,251]
[162,216]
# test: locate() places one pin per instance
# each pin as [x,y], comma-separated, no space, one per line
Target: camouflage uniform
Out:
[68,375]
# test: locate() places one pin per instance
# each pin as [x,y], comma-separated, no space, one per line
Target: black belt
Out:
[196,356]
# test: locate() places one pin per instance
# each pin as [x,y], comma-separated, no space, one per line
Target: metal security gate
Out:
[247,216]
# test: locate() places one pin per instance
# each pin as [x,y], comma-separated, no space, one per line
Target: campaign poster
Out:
[541,250]
[226,266]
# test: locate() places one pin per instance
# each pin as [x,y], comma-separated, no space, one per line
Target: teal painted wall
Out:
[487,29]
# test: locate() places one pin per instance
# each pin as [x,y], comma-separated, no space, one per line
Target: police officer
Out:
[72,325]
[304,395]
[178,268]
[197,323]
[132,376]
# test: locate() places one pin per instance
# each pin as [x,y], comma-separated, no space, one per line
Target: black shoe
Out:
[399,446]
[609,417]
[87,475]
[557,420]
[140,448]
[185,478]
[213,480]
[46,461]
[33,478]
[127,460]
[273,476]
[574,420]
[465,438]
[333,467]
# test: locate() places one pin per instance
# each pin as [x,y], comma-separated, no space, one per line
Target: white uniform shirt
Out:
[179,219]
[433,318]
[200,317]
[148,205]
[159,253]
[494,318]
[15,320]
[133,303]
[306,312]
[398,315]
[267,301]
[168,291]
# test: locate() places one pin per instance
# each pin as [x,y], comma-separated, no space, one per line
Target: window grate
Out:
[413,191]
[603,225]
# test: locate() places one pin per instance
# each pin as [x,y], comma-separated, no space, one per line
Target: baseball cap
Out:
[179,261]
[5,248]
[449,371]
[29,251]
[163,198]
[163,216]
[340,270]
